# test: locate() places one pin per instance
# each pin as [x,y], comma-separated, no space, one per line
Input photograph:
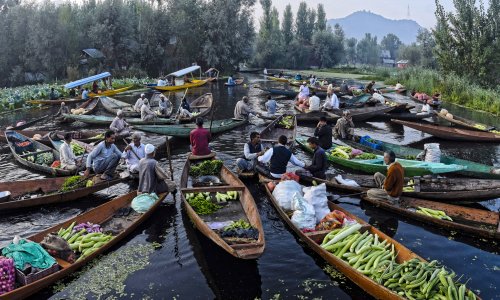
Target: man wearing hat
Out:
[139,103]
[119,126]
[146,113]
[344,129]
[152,178]
[199,138]
[133,153]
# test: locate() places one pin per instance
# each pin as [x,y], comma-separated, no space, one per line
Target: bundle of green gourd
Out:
[341,152]
[72,183]
[202,203]
[433,213]
[77,149]
[82,240]
[286,122]
[208,167]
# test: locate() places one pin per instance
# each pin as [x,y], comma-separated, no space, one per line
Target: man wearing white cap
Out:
[152,178]
[133,153]
[146,113]
[119,126]
[139,103]
[304,91]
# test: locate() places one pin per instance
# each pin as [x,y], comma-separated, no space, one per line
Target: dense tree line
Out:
[136,37]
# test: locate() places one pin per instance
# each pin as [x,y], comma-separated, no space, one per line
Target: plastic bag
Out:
[283,192]
[143,202]
[432,153]
[316,195]
[346,181]
[303,216]
[378,97]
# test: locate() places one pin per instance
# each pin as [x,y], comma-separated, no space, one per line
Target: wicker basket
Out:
[27,279]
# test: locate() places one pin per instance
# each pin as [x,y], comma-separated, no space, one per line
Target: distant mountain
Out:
[361,22]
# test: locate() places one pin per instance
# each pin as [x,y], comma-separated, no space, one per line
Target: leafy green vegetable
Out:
[366,156]
[202,203]
[208,167]
[77,149]
[72,183]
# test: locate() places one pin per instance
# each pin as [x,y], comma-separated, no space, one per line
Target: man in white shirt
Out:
[133,153]
[161,82]
[68,158]
[332,101]
[303,91]
[314,102]
[139,103]
[399,86]
[146,113]
[278,156]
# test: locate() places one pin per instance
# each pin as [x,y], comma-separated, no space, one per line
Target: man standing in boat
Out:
[344,129]
[278,156]
[251,151]
[323,133]
[242,110]
[104,158]
[133,153]
[68,158]
[200,138]
[390,187]
[85,94]
[319,163]
[139,103]
[152,178]
[119,126]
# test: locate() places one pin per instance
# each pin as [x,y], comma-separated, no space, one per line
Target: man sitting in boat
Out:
[298,76]
[280,75]
[319,163]
[332,101]
[251,151]
[436,99]
[399,86]
[369,88]
[200,138]
[104,158]
[68,158]
[186,79]
[312,80]
[390,187]
[164,106]
[278,156]
[146,113]
[152,178]
[344,88]
[62,110]
[314,102]
[265,71]
[230,80]
[344,129]
[119,126]
[85,94]
[185,109]
[323,133]
[139,103]
[53,95]
[133,153]
[161,82]
[271,106]
[242,110]
[72,93]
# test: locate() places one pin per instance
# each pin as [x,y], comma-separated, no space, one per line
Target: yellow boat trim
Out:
[111,92]
[195,83]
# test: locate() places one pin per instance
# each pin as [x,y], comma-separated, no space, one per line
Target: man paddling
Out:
[251,151]
[390,187]
[319,163]
[104,158]
[200,138]
[133,153]
[119,126]
[278,156]
[152,178]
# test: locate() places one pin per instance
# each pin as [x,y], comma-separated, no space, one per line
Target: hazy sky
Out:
[421,11]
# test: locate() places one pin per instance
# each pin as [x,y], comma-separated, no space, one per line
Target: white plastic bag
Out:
[378,97]
[346,181]
[432,153]
[284,191]
[316,195]
[303,216]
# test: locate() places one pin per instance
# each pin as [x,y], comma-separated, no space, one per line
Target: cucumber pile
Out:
[82,241]
[433,213]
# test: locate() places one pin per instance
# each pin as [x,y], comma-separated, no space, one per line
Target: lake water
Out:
[166,258]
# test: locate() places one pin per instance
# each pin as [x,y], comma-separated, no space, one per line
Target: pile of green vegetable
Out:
[366,156]
[286,122]
[223,197]
[207,167]
[82,241]
[72,183]
[202,203]
[433,213]
[240,224]
[77,149]
[341,152]
[45,159]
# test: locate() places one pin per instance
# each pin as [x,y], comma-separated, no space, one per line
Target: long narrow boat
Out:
[105,120]
[111,92]
[470,221]
[50,190]
[88,136]
[450,190]
[57,140]
[279,79]
[28,124]
[244,209]
[200,107]
[460,122]
[237,81]
[275,129]
[32,152]
[57,101]
[473,169]
[433,105]
[407,116]
[192,84]
[371,166]
[392,90]
[183,130]
[453,134]
[313,241]
[306,115]
[88,106]
[99,215]
[358,114]
[112,106]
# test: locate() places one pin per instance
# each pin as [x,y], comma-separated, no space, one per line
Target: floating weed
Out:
[156,245]
[114,268]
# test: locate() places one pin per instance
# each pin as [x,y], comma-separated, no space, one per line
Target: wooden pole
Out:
[169,156]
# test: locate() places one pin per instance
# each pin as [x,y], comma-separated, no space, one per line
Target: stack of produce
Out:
[72,183]
[202,203]
[433,213]
[410,187]
[223,197]
[77,149]
[207,167]
[346,152]
[84,238]
[78,111]
[240,229]
[45,159]
[286,122]
[7,275]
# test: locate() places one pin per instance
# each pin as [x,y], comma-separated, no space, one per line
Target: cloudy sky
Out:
[421,11]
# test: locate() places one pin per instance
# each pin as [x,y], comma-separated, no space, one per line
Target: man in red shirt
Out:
[200,137]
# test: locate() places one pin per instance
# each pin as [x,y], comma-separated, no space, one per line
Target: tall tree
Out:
[287,25]
[368,50]
[328,47]
[350,46]
[412,53]
[426,43]
[302,23]
[311,16]
[391,43]
[321,22]
[269,43]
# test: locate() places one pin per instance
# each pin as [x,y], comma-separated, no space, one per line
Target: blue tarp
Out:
[87,80]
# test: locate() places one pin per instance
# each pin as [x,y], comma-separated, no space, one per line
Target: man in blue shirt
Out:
[230,80]
[271,106]
[85,94]
[104,158]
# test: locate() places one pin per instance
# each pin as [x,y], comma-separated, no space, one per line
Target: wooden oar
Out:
[169,156]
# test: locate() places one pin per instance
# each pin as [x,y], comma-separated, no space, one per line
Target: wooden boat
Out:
[307,116]
[57,101]
[371,166]
[450,190]
[27,124]
[433,105]
[473,169]
[471,221]
[274,130]
[105,120]
[460,122]
[245,209]
[407,116]
[280,79]
[57,140]
[357,101]
[50,188]
[87,136]
[183,130]
[201,106]
[110,92]
[313,241]
[89,106]
[36,148]
[155,100]
[112,106]
[99,215]
[194,83]
[453,134]
[238,81]
[392,90]
[358,114]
